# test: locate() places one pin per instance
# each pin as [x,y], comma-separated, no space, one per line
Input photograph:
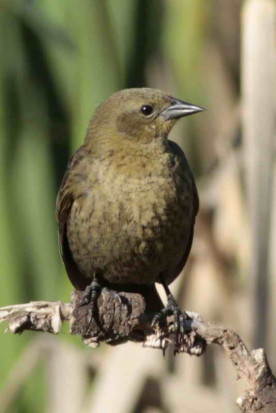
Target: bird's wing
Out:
[195,201]
[65,199]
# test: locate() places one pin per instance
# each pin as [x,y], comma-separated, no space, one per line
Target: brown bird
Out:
[127,204]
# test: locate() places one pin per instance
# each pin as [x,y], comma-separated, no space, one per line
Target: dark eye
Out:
[147,110]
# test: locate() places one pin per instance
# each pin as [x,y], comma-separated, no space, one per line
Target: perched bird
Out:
[127,204]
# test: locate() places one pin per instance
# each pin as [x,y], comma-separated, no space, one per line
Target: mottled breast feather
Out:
[128,227]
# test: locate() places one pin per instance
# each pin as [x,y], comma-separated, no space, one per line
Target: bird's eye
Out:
[147,110]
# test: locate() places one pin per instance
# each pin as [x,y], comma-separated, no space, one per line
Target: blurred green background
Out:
[59,60]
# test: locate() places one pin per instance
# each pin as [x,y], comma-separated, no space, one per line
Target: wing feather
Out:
[65,200]
[195,200]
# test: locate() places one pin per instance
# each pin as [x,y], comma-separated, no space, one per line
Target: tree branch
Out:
[127,316]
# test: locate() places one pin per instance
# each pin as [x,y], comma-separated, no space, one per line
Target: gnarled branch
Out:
[124,316]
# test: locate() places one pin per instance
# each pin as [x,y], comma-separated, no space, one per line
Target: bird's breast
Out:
[136,226]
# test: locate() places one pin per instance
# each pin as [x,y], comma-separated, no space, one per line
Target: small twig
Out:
[36,315]
[127,316]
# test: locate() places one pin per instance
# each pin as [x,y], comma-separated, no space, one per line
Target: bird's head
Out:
[138,115]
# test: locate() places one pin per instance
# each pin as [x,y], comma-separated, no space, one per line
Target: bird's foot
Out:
[91,293]
[172,308]
[90,296]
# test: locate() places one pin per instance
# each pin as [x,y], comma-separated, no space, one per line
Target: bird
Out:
[128,201]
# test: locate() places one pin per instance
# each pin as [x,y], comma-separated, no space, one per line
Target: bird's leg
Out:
[171,308]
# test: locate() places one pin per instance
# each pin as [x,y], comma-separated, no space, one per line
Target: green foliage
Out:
[60,59]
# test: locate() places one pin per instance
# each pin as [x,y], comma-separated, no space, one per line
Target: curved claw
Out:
[158,317]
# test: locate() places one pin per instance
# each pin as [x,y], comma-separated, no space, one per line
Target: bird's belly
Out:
[131,236]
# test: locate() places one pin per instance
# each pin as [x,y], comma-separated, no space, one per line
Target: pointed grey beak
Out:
[179,108]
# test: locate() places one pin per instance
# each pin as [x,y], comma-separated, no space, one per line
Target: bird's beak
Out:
[179,108]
